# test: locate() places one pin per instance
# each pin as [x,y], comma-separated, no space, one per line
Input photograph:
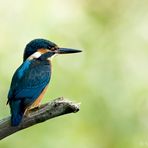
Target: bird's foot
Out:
[26,114]
[34,108]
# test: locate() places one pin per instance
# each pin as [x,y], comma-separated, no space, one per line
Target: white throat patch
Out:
[50,58]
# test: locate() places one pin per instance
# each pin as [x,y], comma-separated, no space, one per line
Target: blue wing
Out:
[28,82]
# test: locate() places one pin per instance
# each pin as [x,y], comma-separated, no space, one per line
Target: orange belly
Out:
[36,103]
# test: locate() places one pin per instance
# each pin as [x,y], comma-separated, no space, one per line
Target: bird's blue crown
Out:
[36,44]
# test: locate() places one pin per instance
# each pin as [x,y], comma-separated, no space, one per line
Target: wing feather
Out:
[29,80]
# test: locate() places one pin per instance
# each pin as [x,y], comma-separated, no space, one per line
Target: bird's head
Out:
[38,47]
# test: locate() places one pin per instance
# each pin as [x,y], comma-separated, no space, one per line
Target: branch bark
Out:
[46,111]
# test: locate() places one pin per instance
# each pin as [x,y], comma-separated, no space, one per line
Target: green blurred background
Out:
[110,77]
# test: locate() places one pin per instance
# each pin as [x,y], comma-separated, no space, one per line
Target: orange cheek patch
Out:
[43,50]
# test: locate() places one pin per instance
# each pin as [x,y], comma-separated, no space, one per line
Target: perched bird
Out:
[30,80]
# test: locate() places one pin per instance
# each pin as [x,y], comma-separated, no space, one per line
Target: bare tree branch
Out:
[46,111]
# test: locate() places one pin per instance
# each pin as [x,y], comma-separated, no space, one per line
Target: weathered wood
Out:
[46,111]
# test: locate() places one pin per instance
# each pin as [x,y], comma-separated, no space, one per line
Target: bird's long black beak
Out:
[67,51]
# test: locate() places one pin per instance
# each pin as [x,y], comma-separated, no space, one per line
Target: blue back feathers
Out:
[23,68]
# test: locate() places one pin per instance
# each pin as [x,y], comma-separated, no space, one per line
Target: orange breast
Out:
[36,103]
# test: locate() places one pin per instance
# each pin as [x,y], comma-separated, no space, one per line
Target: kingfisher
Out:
[29,82]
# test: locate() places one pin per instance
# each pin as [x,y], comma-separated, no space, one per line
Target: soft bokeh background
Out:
[110,77]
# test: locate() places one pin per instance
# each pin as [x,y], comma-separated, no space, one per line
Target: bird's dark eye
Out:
[54,48]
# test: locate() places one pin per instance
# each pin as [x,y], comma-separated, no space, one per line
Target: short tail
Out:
[16,112]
